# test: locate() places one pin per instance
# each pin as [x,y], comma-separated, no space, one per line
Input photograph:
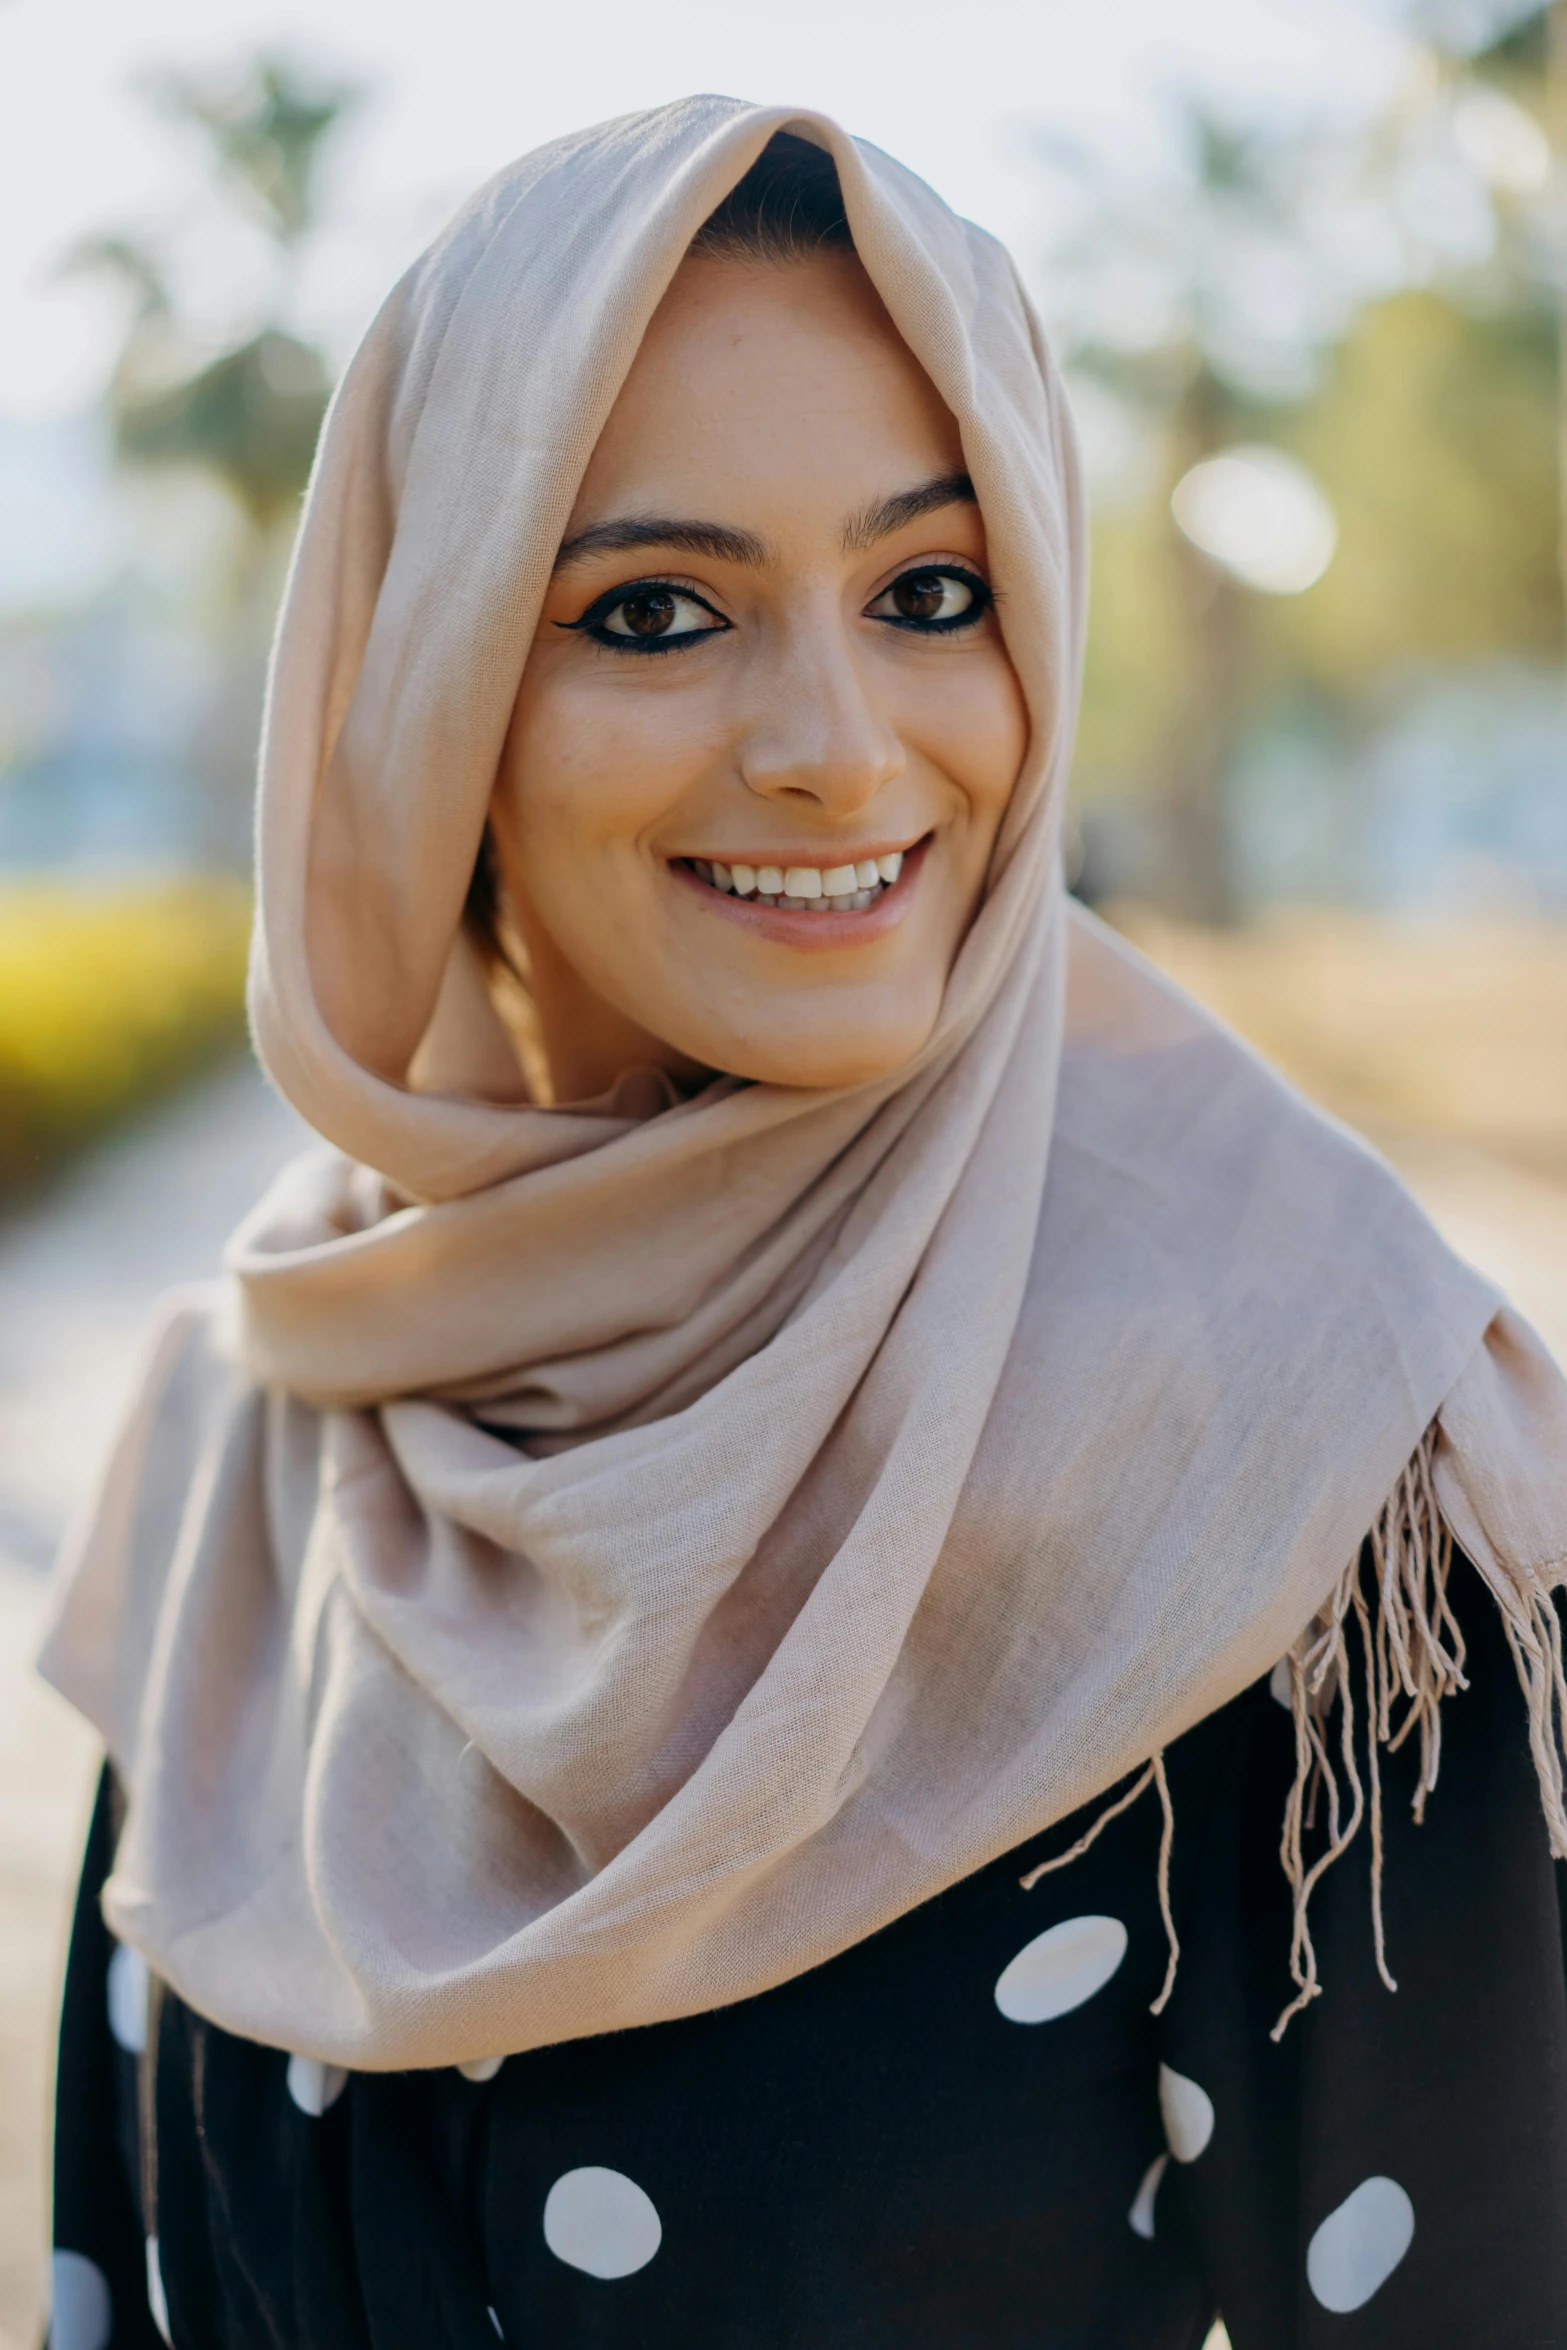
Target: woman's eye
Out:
[650,615]
[932,599]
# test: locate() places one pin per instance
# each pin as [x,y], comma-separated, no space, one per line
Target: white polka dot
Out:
[82,2312]
[1188,2114]
[128,1987]
[495,2322]
[600,2221]
[481,2068]
[1060,1969]
[1280,1688]
[1140,2216]
[1357,2247]
[315,2086]
[155,2295]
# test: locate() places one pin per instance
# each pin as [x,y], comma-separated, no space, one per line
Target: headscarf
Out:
[588,1564]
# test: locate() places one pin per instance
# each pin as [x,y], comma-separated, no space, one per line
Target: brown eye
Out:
[651,613]
[921,595]
[935,598]
[652,617]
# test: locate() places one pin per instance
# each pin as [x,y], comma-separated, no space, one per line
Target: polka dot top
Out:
[966,2133]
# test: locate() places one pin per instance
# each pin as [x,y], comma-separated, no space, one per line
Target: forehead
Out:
[777,383]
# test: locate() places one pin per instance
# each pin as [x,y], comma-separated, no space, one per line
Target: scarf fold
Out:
[587,1565]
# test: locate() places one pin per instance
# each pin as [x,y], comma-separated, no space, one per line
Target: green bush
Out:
[108,998]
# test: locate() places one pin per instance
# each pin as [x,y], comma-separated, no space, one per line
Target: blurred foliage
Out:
[1435,438]
[247,416]
[1386,308]
[266,127]
[250,416]
[107,1000]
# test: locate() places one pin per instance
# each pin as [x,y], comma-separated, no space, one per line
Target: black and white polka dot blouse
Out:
[967,2133]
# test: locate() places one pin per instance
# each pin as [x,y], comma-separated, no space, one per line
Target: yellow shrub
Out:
[107,998]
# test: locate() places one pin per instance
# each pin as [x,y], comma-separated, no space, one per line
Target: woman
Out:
[689,1646]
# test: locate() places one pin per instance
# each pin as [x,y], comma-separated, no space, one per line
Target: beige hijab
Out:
[587,1565]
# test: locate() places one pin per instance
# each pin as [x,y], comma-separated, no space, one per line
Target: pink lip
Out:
[793,926]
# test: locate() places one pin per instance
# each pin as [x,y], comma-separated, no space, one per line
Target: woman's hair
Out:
[788,207]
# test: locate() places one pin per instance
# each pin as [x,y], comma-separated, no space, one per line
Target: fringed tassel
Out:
[1534,1634]
[1152,1776]
[1413,1655]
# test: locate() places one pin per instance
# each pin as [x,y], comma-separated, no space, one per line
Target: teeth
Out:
[842,888]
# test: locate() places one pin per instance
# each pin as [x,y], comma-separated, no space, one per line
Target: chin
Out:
[823,1063]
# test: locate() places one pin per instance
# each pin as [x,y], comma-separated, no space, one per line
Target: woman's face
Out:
[767,727]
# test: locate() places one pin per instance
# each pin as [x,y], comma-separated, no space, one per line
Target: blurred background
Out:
[1306,264]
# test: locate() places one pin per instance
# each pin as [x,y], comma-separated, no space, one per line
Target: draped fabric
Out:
[587,1564]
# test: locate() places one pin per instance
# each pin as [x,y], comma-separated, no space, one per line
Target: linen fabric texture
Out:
[585,1565]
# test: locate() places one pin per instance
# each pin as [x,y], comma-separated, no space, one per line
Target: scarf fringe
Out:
[1391,1605]
[1153,1775]
[1413,1655]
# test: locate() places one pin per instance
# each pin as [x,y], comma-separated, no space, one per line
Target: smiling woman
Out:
[709,1650]
[814,685]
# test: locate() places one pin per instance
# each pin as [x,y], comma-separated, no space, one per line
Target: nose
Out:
[813,733]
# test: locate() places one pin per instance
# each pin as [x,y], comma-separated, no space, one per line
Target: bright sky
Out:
[954,87]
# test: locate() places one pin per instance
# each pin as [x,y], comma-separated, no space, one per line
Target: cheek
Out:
[592,766]
[974,726]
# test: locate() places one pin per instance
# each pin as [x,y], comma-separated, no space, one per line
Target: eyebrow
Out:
[716,540]
[713,539]
[905,506]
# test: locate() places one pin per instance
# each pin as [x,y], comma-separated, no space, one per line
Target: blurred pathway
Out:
[78,1274]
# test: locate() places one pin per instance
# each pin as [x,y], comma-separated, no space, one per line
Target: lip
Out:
[795,926]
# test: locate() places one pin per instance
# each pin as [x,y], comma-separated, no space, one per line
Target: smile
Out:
[820,889]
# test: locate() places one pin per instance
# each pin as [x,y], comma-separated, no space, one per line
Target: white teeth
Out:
[842,888]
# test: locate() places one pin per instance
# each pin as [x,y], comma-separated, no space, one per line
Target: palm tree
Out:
[250,417]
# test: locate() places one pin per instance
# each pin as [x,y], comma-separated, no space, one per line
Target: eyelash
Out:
[591,622]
